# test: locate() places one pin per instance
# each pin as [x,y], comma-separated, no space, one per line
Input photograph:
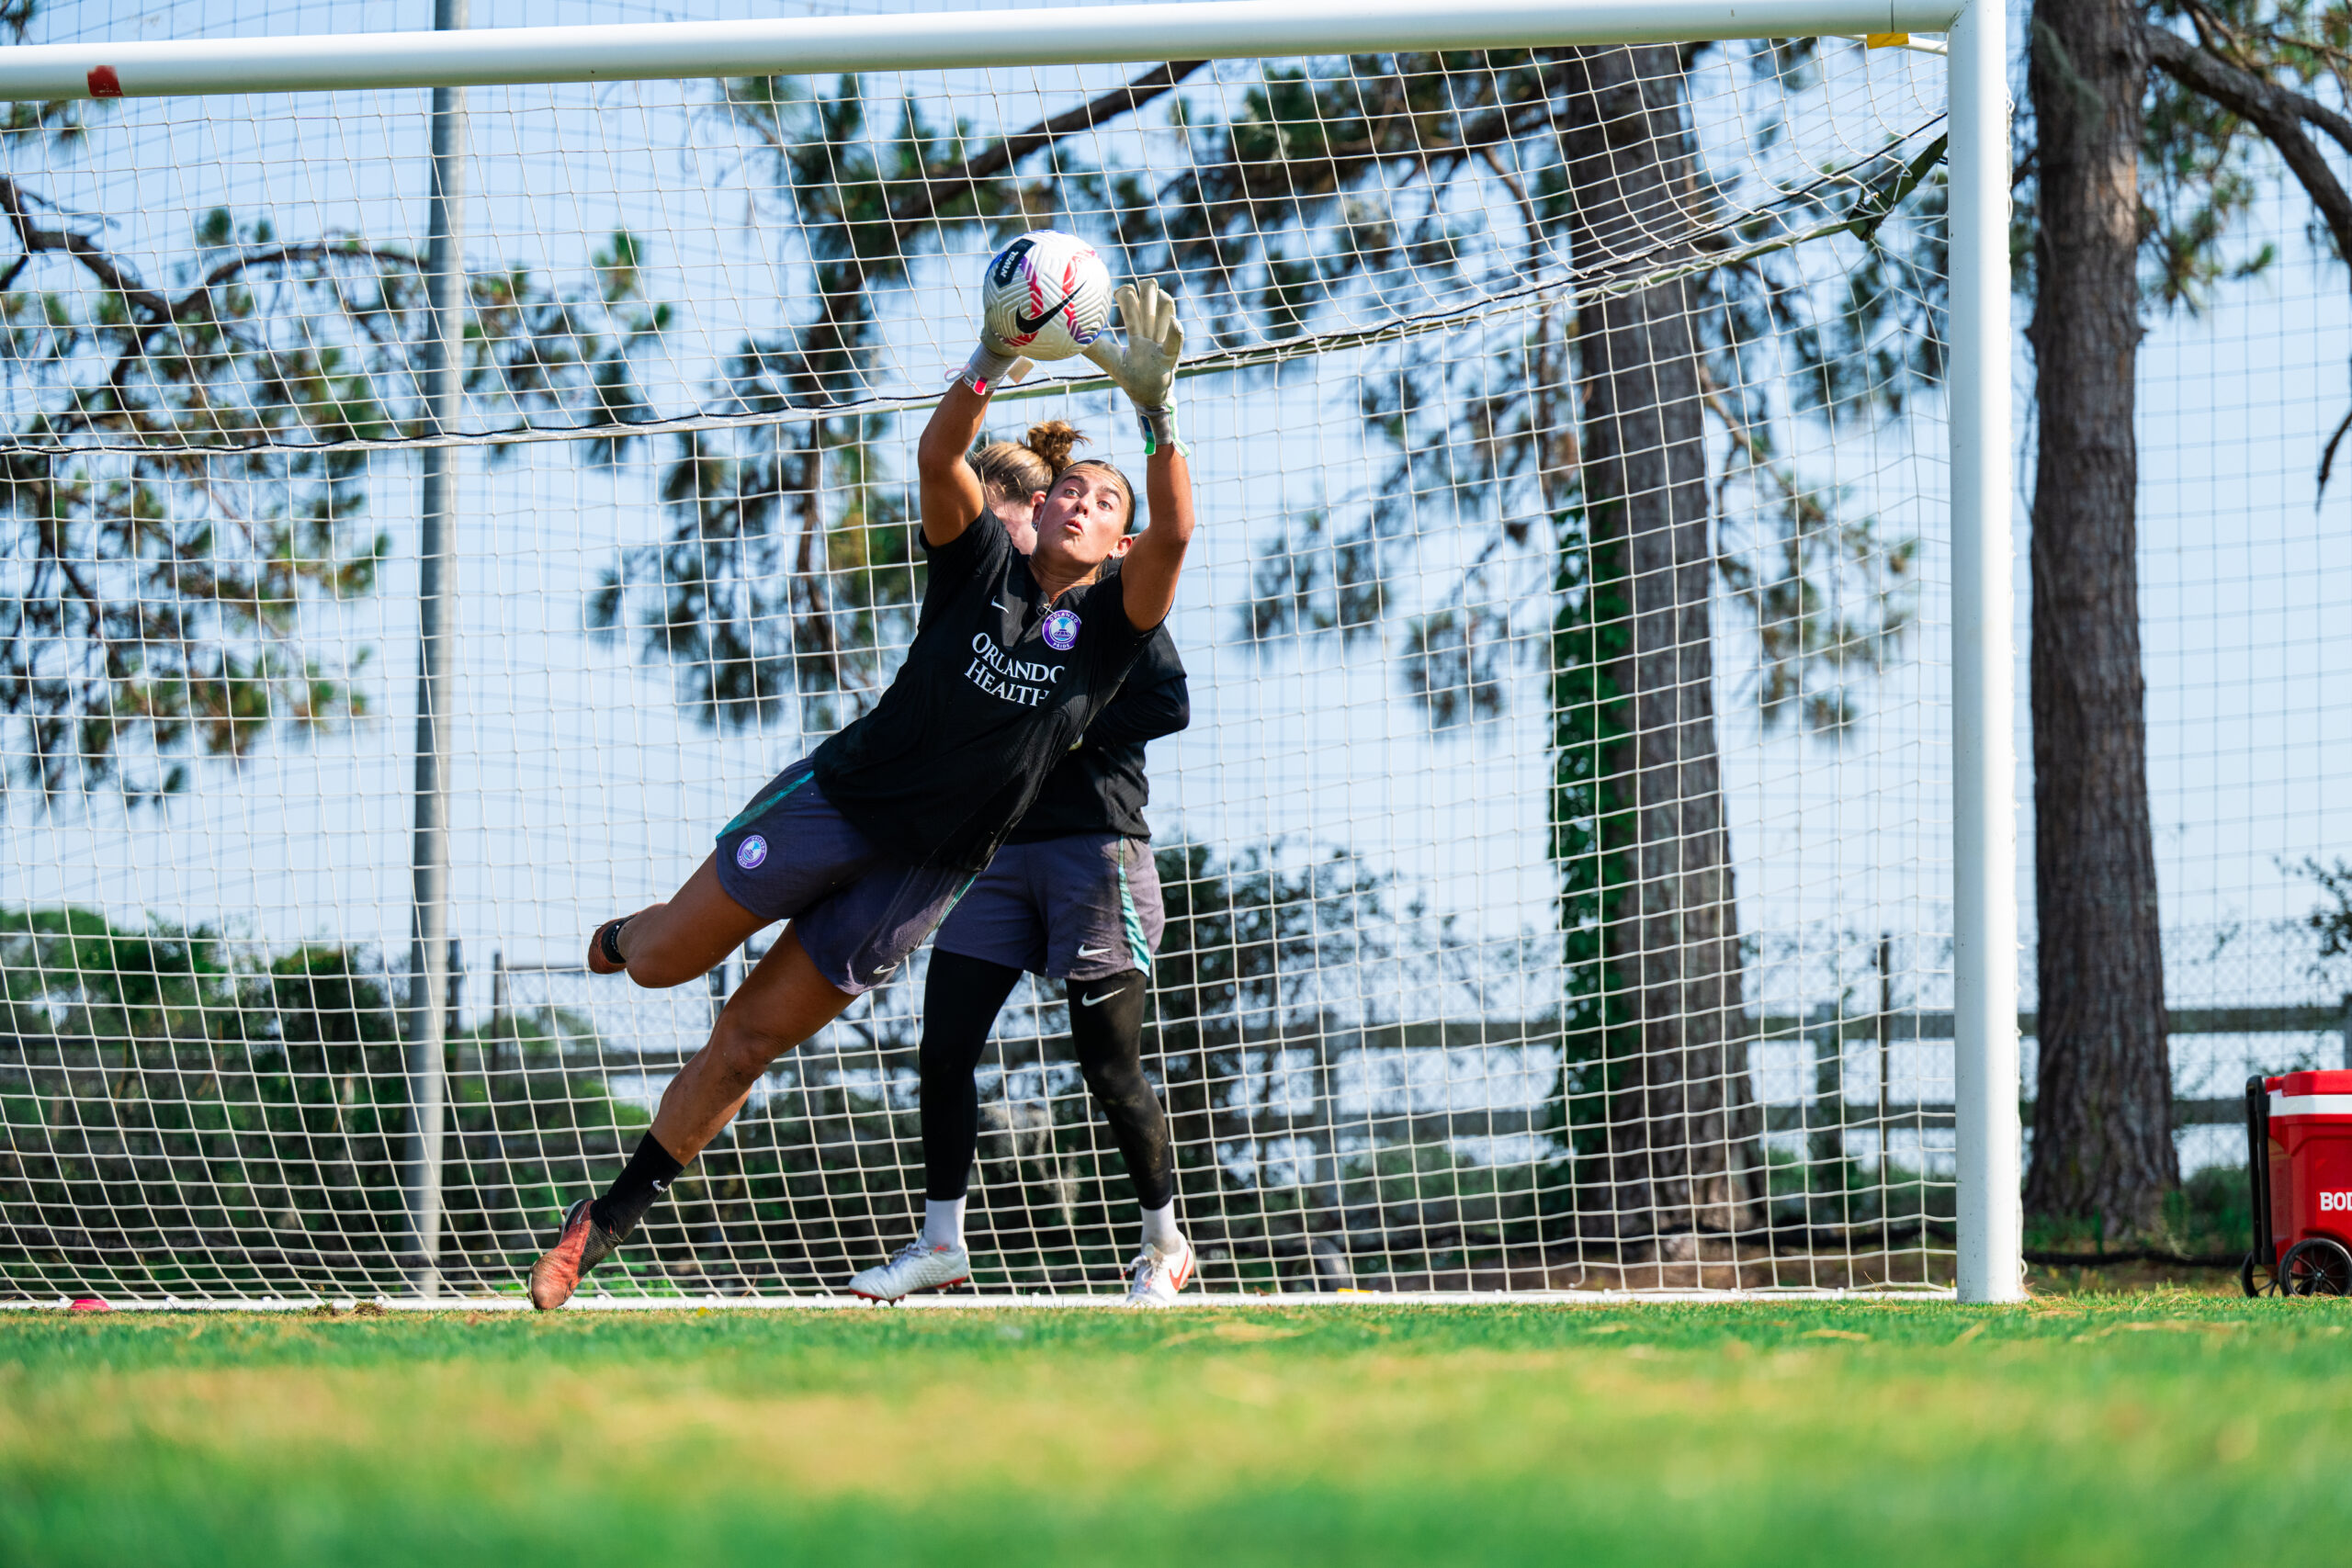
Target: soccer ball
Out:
[1047,295]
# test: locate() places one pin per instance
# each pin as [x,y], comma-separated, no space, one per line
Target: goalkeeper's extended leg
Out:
[781,1003]
[1106,1028]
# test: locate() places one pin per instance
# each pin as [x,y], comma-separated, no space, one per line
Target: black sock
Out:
[648,1173]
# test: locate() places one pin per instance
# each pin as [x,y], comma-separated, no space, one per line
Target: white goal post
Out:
[1983,1112]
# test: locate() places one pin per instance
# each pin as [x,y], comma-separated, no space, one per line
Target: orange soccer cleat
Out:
[582,1244]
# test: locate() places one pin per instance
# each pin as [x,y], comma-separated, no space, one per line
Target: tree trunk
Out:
[1680,1148]
[2102,1136]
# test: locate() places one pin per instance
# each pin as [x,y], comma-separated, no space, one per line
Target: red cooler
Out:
[2299,1160]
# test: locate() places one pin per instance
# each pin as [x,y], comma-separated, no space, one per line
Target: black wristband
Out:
[608,938]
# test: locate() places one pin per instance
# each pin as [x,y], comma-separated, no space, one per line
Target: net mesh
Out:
[1557,862]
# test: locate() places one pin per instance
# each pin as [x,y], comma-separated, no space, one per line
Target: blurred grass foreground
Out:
[2162,1428]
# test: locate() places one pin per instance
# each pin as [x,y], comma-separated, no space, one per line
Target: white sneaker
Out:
[1155,1277]
[919,1266]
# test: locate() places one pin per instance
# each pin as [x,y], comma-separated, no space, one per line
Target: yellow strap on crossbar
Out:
[1887,41]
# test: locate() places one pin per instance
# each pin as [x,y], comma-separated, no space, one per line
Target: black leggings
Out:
[960,1002]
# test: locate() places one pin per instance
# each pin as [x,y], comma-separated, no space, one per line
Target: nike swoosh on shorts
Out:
[1094,953]
[1096,1001]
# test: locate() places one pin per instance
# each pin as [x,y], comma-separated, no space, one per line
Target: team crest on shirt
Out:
[751,853]
[1061,630]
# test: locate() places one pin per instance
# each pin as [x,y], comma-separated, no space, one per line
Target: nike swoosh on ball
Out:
[1030,325]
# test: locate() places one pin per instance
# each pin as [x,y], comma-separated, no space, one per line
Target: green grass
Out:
[2083,1431]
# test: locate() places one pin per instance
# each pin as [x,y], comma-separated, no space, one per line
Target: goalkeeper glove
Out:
[1146,369]
[993,362]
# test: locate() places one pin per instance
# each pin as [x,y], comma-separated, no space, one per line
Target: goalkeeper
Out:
[1073,896]
[865,844]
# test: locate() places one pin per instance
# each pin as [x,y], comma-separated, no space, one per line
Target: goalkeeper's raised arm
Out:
[1145,368]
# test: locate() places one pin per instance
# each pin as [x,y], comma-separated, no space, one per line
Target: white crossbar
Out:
[1221,30]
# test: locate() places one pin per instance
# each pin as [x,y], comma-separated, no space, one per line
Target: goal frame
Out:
[1984,842]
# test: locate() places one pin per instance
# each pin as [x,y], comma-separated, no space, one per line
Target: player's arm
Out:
[1148,575]
[1152,704]
[1145,370]
[952,497]
[951,490]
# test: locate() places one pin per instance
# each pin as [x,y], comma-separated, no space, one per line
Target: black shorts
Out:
[1084,906]
[790,856]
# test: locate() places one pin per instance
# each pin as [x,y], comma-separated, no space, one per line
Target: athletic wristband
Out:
[988,367]
[1160,429]
[608,938]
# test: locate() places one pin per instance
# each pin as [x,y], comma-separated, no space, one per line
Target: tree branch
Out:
[2278,113]
[45,529]
[1492,157]
[924,204]
[161,308]
[82,249]
[305,249]
[2327,455]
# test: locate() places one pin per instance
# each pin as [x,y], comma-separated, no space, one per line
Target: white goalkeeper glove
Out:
[993,362]
[1146,369]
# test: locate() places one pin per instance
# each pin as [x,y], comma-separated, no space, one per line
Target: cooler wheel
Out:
[2315,1266]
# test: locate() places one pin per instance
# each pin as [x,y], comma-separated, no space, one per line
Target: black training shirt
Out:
[1101,787]
[999,684]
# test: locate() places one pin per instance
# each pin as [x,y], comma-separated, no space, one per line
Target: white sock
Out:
[1159,1228]
[943,1222]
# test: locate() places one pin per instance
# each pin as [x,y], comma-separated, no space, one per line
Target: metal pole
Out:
[1885,1033]
[1984,898]
[437,591]
[500,1026]
[1826,1147]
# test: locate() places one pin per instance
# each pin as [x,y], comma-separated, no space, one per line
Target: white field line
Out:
[1569,1299]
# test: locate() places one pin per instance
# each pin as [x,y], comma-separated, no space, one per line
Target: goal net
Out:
[1557,863]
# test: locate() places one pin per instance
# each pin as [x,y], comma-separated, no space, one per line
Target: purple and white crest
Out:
[1061,630]
[751,853]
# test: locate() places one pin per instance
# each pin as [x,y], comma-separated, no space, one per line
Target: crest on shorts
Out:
[1061,630]
[753,852]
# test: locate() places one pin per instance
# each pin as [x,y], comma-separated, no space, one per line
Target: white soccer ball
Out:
[1047,295]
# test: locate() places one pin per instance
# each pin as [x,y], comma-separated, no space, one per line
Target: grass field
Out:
[2161,1429]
